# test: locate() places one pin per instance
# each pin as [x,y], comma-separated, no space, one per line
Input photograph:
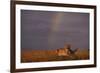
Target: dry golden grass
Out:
[51,55]
[82,54]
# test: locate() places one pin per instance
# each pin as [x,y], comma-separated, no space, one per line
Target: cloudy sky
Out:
[52,30]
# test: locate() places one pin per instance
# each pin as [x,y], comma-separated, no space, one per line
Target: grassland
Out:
[51,55]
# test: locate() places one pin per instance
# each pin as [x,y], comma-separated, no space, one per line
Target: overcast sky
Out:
[51,30]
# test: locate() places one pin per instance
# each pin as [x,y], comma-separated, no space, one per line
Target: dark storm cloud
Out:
[36,29]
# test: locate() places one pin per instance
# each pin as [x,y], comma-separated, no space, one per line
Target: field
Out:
[52,55]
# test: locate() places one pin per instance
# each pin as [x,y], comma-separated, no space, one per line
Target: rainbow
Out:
[55,25]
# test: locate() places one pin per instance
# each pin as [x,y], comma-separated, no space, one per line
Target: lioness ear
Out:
[76,50]
[57,50]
